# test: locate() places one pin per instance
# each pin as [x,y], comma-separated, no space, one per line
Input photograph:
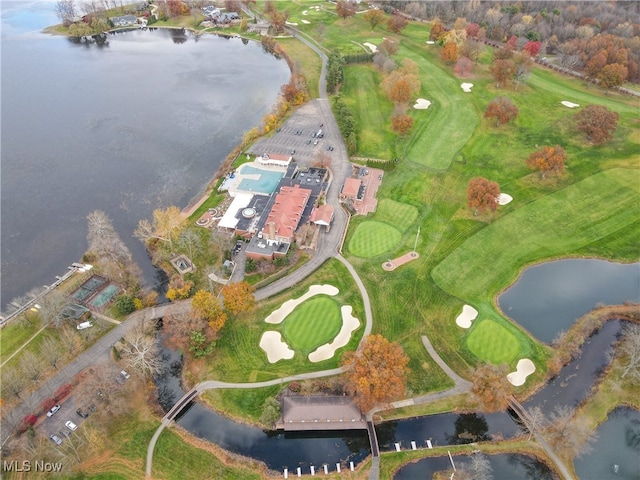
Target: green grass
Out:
[399,215]
[15,334]
[373,238]
[563,221]
[491,342]
[313,323]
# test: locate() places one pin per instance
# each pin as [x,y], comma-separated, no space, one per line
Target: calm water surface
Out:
[549,297]
[140,123]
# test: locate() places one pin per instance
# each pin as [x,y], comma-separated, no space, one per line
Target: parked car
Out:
[316,142]
[56,439]
[70,425]
[87,411]
[125,375]
[53,410]
[83,325]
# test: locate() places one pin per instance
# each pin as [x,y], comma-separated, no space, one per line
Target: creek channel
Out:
[280,450]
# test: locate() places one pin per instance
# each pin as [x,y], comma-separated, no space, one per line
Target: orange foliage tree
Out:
[206,306]
[482,194]
[437,30]
[401,124]
[597,122]
[502,109]
[376,372]
[400,92]
[613,75]
[397,23]
[548,159]
[491,389]
[345,9]
[374,17]
[502,70]
[238,297]
[450,52]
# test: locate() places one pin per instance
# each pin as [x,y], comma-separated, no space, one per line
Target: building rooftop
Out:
[351,187]
[319,412]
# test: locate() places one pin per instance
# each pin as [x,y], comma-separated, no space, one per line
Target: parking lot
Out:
[297,135]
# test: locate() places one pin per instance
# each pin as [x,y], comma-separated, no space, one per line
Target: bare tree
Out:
[481,467]
[629,349]
[65,11]
[13,381]
[189,239]
[567,434]
[52,305]
[50,351]
[69,339]
[31,366]
[141,352]
[99,387]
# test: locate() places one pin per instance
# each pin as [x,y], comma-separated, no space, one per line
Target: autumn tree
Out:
[450,52]
[491,389]
[532,48]
[238,297]
[401,124]
[502,109]
[595,65]
[523,63]
[166,226]
[179,288]
[612,75]
[400,92]
[140,350]
[345,8]
[206,306]
[482,194]
[389,46]
[502,70]
[376,372]
[463,67]
[548,159]
[437,30]
[397,23]
[373,17]
[597,122]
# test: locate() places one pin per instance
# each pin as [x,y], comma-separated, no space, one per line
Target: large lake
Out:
[140,123]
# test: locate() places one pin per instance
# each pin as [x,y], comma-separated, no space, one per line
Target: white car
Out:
[71,426]
[53,410]
[125,375]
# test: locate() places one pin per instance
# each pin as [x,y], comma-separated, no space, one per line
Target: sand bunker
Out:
[349,325]
[371,46]
[291,23]
[277,316]
[271,342]
[305,12]
[524,368]
[468,315]
[430,42]
[466,87]
[569,104]
[504,198]
[422,104]
[305,21]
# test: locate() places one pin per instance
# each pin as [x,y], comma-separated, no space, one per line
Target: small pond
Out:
[618,444]
[503,466]
[549,297]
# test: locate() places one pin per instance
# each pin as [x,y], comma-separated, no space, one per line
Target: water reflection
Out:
[549,297]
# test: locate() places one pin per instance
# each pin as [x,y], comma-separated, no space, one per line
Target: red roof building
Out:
[350,188]
[322,215]
[285,214]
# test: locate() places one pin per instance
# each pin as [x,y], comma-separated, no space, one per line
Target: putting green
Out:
[313,323]
[400,215]
[373,238]
[491,342]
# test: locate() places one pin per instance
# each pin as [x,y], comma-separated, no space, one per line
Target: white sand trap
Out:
[371,46]
[422,104]
[271,342]
[305,12]
[569,104]
[349,325]
[277,316]
[466,87]
[430,42]
[305,21]
[504,198]
[291,23]
[468,315]
[524,368]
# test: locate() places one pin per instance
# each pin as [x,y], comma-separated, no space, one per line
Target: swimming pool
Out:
[265,183]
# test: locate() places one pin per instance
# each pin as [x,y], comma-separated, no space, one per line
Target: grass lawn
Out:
[400,215]
[556,224]
[373,238]
[15,334]
[313,323]
[491,342]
